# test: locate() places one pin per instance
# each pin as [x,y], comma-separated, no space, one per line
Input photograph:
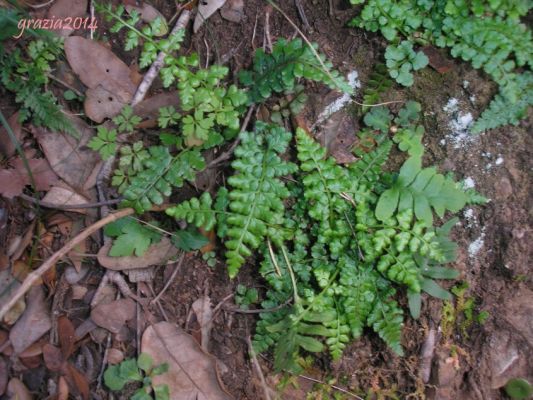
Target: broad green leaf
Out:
[188,240]
[112,378]
[387,203]
[144,362]
[128,370]
[161,392]
[309,343]
[440,272]
[415,303]
[409,170]
[433,289]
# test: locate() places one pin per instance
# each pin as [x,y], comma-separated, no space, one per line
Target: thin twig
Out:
[55,78]
[332,386]
[258,368]
[259,311]
[37,6]
[303,17]
[56,206]
[227,154]
[51,261]
[149,77]
[171,279]
[268,10]
[91,9]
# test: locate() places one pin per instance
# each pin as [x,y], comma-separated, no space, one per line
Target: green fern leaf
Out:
[386,319]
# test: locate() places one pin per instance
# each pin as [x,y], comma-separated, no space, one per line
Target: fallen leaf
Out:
[233,10]
[98,66]
[70,158]
[36,349]
[78,292]
[206,8]
[64,195]
[62,389]
[3,375]
[148,109]
[204,314]
[115,356]
[67,336]
[148,13]
[31,362]
[33,324]
[156,254]
[436,60]
[13,180]
[17,390]
[62,9]
[192,373]
[101,103]
[16,252]
[53,358]
[8,284]
[20,270]
[337,135]
[7,148]
[77,381]
[113,316]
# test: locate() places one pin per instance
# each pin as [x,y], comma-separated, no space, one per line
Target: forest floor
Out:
[473,357]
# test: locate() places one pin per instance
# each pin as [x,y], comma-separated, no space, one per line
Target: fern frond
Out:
[161,173]
[278,72]
[368,168]
[378,83]
[386,319]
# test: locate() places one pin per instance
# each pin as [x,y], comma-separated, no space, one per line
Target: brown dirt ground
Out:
[498,275]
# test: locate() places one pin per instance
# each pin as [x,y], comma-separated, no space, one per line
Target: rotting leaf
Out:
[156,254]
[33,324]
[62,9]
[77,381]
[67,336]
[66,196]
[17,390]
[204,314]
[112,316]
[7,148]
[101,103]
[206,8]
[192,373]
[53,358]
[13,180]
[70,158]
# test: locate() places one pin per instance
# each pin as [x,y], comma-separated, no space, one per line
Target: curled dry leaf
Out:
[206,8]
[156,254]
[13,180]
[8,284]
[3,375]
[192,373]
[77,381]
[7,148]
[67,8]
[65,195]
[233,10]
[98,66]
[113,316]
[33,324]
[70,158]
[17,390]
[204,314]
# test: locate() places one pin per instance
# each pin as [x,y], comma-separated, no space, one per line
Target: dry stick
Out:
[267,28]
[159,62]
[56,206]
[332,386]
[303,17]
[34,276]
[258,368]
[171,279]
[227,154]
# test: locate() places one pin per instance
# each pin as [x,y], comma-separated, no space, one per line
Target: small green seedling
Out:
[104,142]
[210,258]
[402,59]
[246,296]
[126,120]
[138,370]
[518,388]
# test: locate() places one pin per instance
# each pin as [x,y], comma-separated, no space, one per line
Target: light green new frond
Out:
[196,211]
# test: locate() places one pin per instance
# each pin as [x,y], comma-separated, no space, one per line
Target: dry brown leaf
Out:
[62,9]
[98,66]
[204,314]
[113,316]
[67,336]
[13,180]
[437,60]
[70,158]
[3,375]
[148,13]
[148,109]
[8,284]
[35,349]
[115,356]
[16,252]
[192,373]
[156,254]
[31,362]
[7,148]
[53,358]
[33,324]
[17,390]
[20,270]
[77,381]
[206,8]
[64,195]
[233,10]
[101,103]
[62,389]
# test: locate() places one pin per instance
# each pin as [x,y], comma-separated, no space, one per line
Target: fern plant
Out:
[25,74]
[497,43]
[336,250]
